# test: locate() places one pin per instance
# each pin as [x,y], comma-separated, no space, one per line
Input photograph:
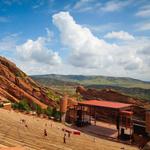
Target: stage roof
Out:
[106,104]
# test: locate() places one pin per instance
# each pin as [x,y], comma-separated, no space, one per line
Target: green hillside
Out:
[63,83]
[93,80]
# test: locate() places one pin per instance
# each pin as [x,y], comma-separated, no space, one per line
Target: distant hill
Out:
[94,80]
[130,86]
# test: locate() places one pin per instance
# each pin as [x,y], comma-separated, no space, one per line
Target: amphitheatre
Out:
[30,116]
[14,134]
[74,74]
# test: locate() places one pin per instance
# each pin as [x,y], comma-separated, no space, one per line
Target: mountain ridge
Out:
[132,87]
[97,79]
[82,75]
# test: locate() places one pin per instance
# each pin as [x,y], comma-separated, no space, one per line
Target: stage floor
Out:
[104,129]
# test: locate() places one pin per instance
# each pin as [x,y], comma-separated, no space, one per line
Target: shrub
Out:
[38,109]
[1,105]
[49,111]
[56,114]
[15,105]
[23,105]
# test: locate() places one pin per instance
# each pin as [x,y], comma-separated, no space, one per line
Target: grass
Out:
[67,83]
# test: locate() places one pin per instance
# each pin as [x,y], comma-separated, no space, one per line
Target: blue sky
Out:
[93,37]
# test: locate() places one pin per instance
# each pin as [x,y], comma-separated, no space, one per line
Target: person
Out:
[68,134]
[22,120]
[95,122]
[45,132]
[94,139]
[64,138]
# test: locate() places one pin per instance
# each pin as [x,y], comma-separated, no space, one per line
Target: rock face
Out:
[109,95]
[15,85]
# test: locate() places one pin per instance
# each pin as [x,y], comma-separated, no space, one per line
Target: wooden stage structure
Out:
[89,111]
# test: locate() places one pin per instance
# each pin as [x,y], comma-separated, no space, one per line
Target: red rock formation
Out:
[112,95]
[72,102]
[15,85]
[108,94]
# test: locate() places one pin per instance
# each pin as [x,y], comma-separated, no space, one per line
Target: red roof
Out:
[106,104]
[129,113]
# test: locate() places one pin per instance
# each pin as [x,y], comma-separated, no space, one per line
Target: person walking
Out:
[45,132]
[69,134]
[64,138]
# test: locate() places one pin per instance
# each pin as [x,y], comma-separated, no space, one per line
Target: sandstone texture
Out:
[15,85]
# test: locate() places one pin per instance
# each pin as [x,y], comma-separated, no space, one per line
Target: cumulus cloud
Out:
[145,50]
[83,52]
[38,51]
[88,51]
[122,35]
[103,28]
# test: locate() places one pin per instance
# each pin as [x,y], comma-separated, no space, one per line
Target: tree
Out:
[49,111]
[1,105]
[23,105]
[56,114]
[38,109]
[15,105]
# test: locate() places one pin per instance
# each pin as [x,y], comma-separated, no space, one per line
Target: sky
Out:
[88,37]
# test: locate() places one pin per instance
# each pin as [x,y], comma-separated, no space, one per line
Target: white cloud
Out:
[38,51]
[86,48]
[144,11]
[85,53]
[145,26]
[86,5]
[114,5]
[82,3]
[32,56]
[10,2]
[122,35]
[96,6]
[8,43]
[98,56]
[101,28]
[39,3]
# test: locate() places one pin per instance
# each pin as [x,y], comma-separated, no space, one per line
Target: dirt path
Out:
[14,133]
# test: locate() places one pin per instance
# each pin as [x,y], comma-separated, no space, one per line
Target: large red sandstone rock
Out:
[15,85]
[111,95]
